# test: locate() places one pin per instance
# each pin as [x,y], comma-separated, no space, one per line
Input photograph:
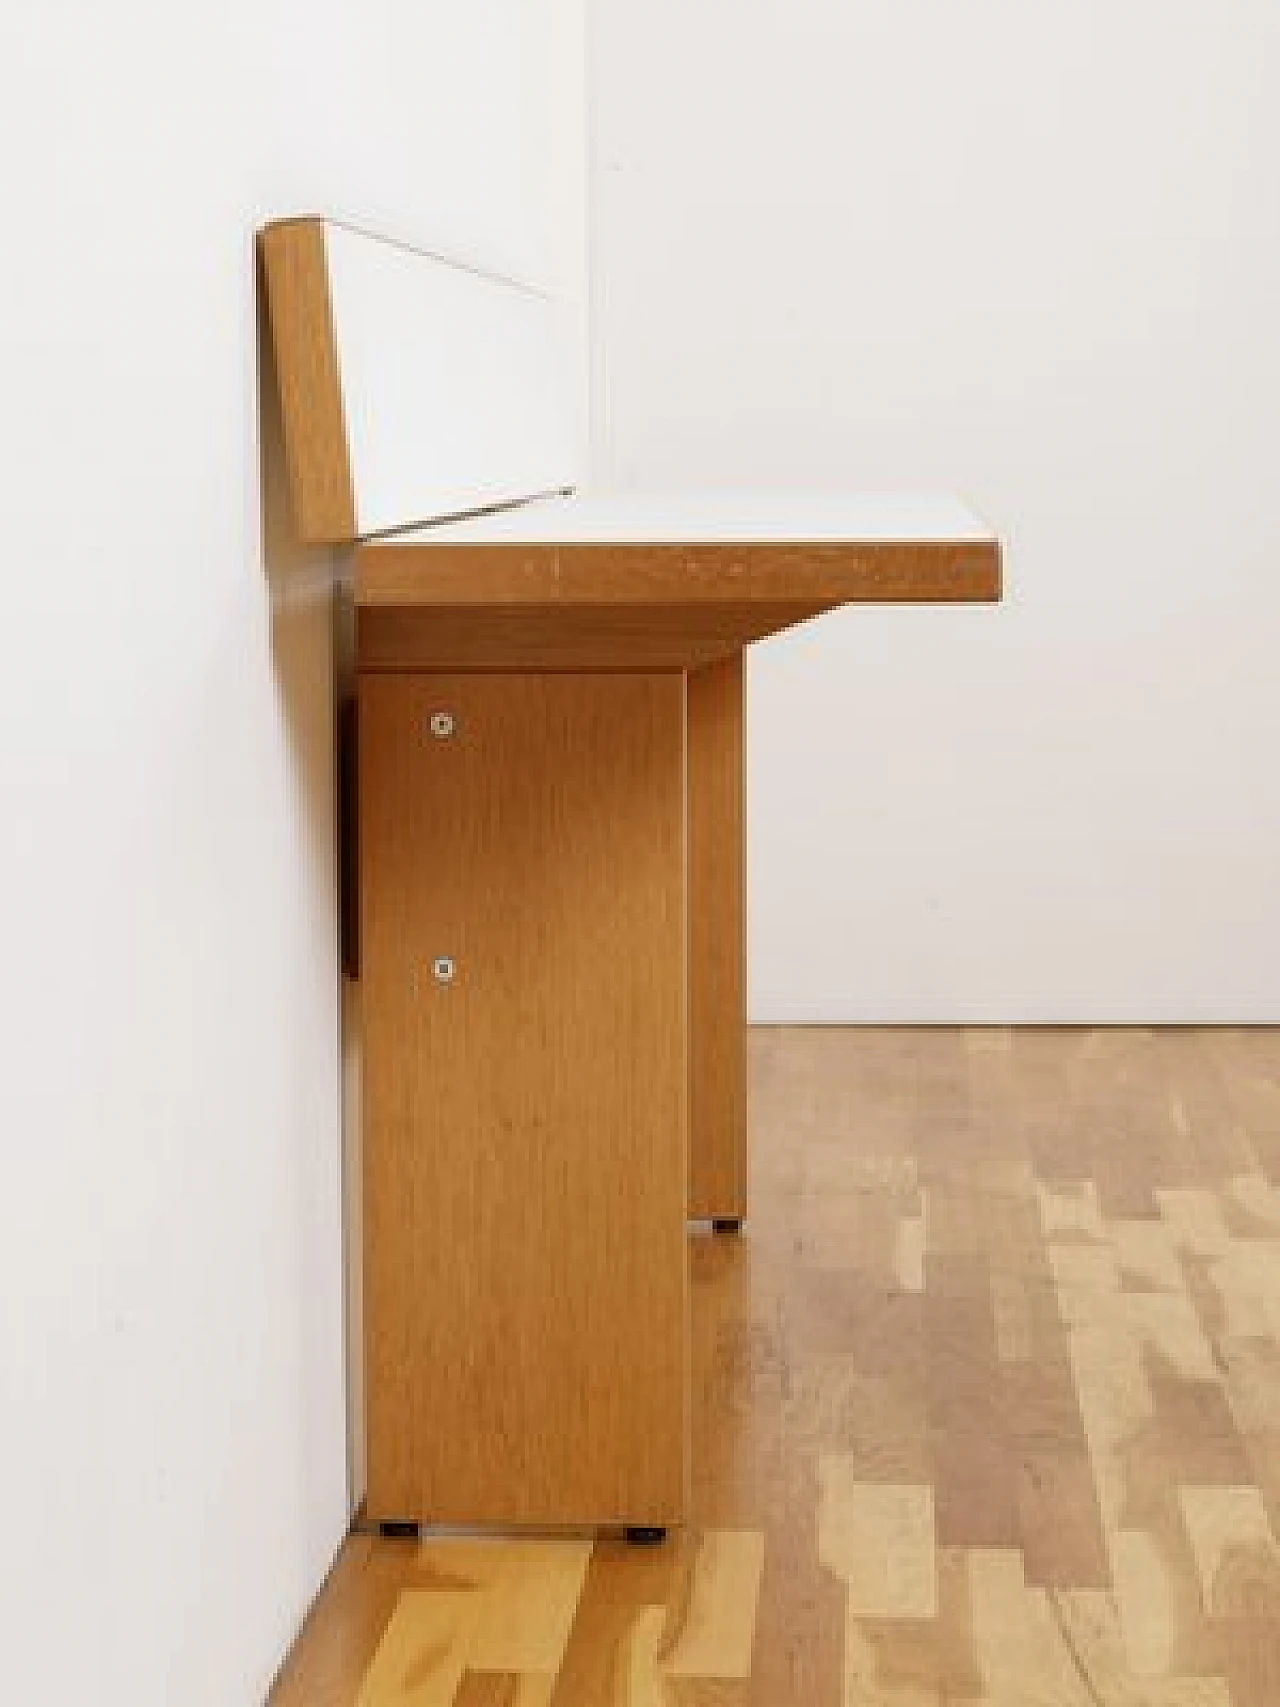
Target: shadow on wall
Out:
[312,656]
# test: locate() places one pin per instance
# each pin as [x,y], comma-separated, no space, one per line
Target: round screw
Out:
[442,725]
[442,969]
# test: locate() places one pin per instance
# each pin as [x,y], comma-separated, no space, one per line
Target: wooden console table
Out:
[550,710]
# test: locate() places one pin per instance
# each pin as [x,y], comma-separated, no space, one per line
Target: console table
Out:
[550,795]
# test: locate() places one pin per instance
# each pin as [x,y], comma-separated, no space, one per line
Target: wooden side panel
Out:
[717,944]
[820,573]
[302,334]
[572,637]
[348,840]
[525,1145]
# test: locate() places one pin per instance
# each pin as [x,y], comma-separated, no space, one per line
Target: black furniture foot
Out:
[727,1224]
[399,1531]
[639,1535]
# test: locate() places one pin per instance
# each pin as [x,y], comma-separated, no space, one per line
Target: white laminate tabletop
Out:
[715,516]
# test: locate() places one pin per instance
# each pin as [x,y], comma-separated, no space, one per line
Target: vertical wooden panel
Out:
[348,841]
[306,359]
[525,1151]
[717,951]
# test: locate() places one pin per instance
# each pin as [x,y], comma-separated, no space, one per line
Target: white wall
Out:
[171,1359]
[1031,253]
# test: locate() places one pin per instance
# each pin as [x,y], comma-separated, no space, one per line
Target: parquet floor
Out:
[987,1411]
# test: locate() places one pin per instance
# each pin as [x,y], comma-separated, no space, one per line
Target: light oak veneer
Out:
[717,943]
[525,1146]
[306,361]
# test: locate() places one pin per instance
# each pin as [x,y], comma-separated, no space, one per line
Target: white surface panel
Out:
[458,387]
[707,517]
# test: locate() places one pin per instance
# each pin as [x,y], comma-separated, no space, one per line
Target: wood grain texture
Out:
[531,605]
[523,1597]
[1136,1380]
[315,434]
[348,838]
[712,1632]
[503,1689]
[422,1656]
[615,636]
[717,943]
[397,575]
[525,1135]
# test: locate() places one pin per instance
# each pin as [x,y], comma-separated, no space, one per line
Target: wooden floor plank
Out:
[986,1409]
[714,1633]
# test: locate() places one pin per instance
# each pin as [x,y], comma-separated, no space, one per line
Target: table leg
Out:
[717,957]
